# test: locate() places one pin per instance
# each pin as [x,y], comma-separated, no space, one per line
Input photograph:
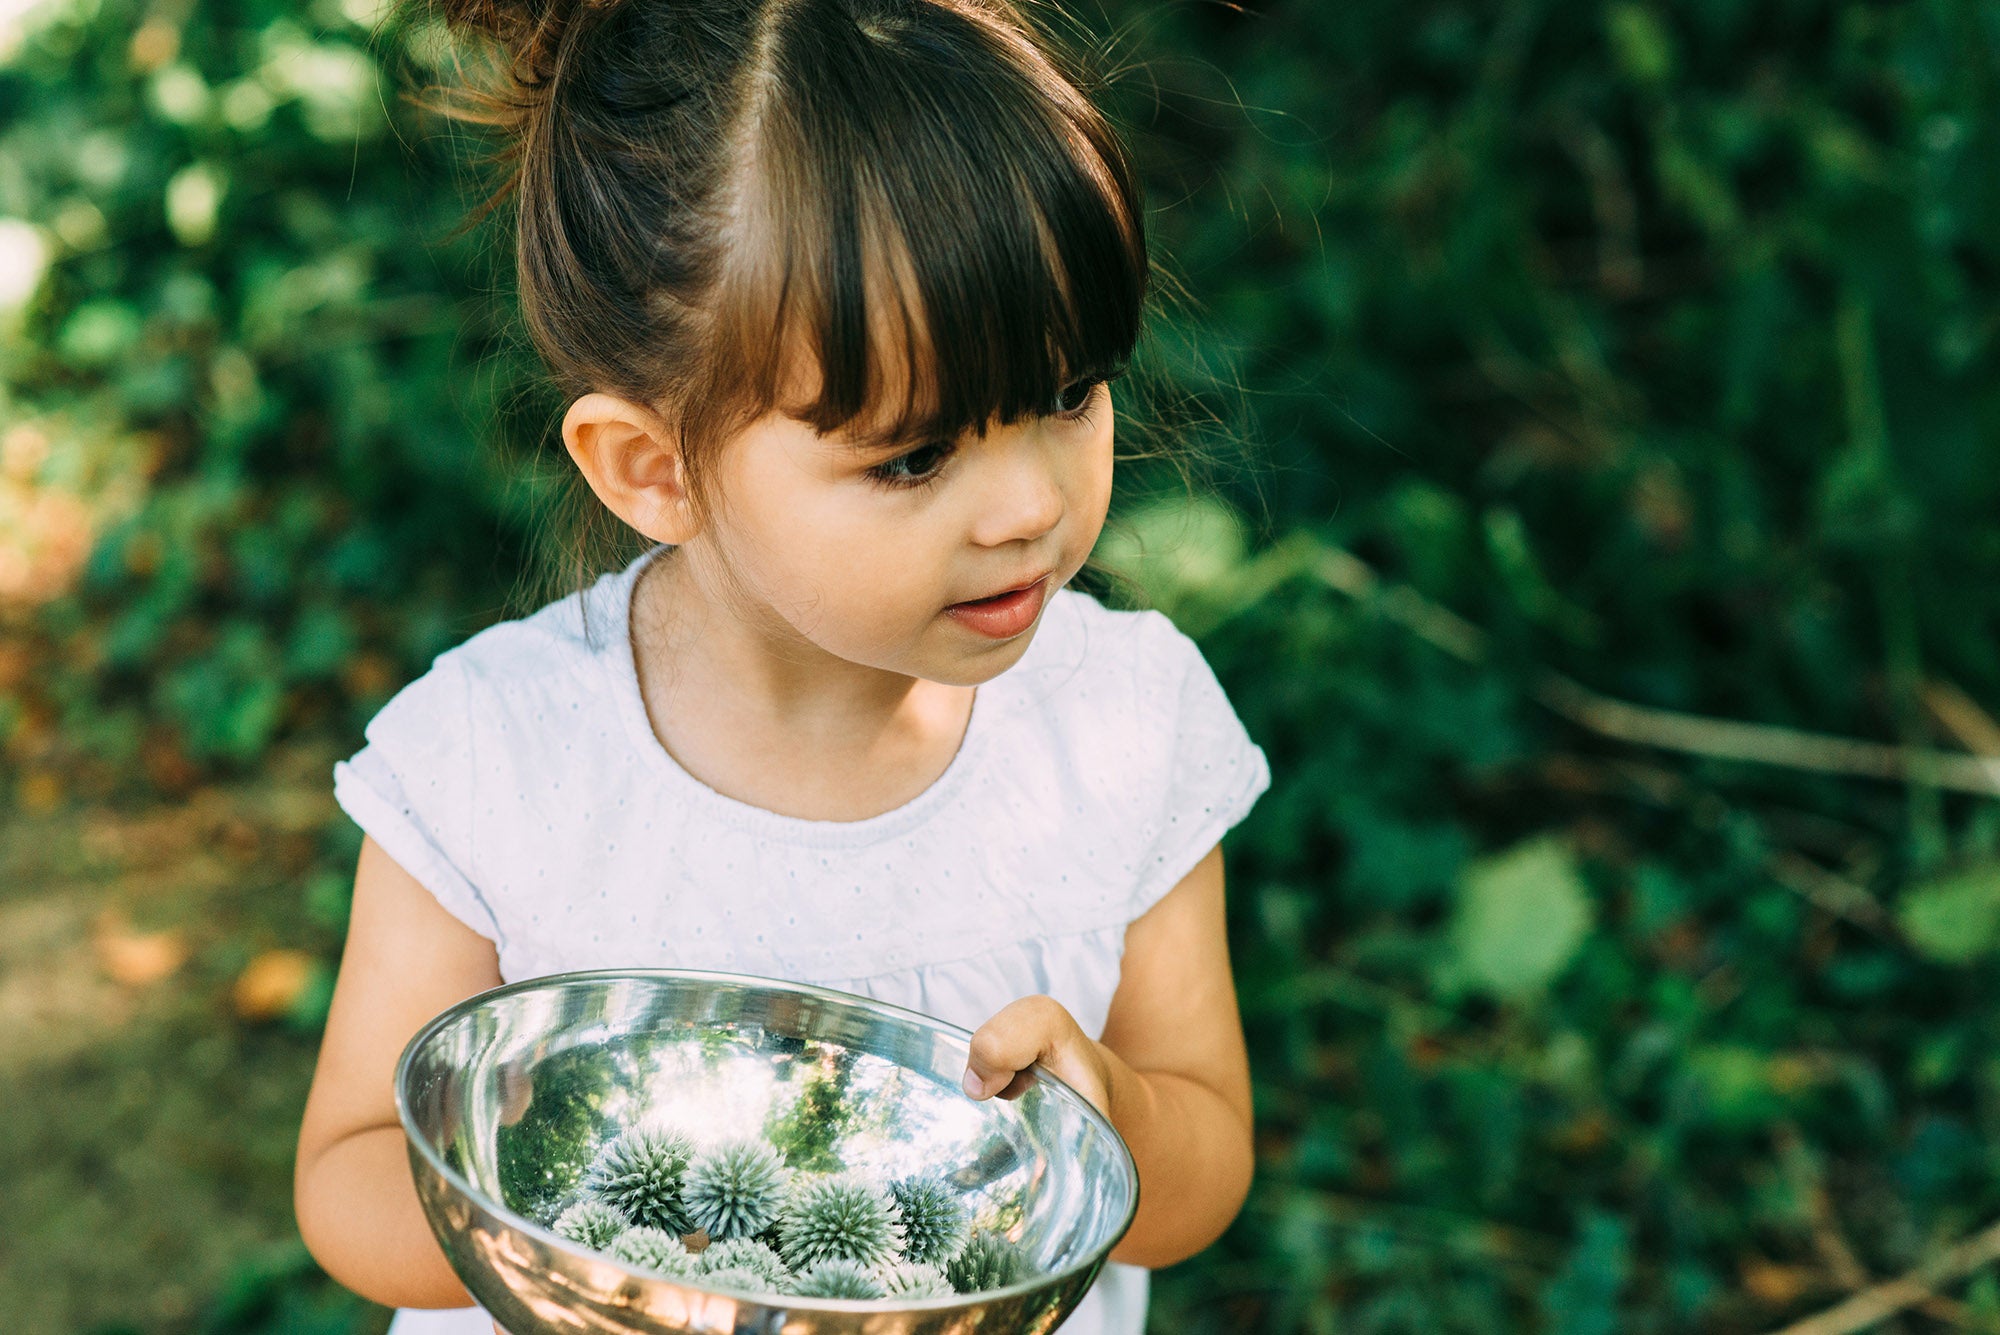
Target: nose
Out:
[1021,498]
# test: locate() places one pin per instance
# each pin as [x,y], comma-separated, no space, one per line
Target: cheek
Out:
[1090,490]
[837,560]
[866,590]
[769,533]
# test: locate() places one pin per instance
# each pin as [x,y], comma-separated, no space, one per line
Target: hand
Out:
[1037,1029]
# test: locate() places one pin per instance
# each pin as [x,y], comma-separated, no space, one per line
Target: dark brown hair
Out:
[706,188]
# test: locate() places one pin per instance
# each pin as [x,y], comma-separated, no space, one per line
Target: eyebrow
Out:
[898,436]
[879,440]
[922,431]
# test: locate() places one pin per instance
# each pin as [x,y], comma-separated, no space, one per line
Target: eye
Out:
[1074,397]
[913,468]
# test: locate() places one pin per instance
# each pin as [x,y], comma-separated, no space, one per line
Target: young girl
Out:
[836,287]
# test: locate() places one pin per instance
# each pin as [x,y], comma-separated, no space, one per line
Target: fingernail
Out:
[974,1086]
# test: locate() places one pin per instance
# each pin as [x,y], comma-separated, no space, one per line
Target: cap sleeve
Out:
[1215,773]
[410,789]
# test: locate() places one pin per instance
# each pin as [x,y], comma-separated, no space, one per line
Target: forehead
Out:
[901,370]
[930,229]
[916,316]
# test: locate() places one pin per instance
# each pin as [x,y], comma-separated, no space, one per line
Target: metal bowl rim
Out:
[436,1161]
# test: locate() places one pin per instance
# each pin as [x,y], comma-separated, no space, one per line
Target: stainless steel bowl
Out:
[507,1096]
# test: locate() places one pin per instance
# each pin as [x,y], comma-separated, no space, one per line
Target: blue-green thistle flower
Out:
[842,1216]
[737,1278]
[641,1173]
[591,1223]
[836,1278]
[987,1261]
[935,1220]
[913,1279]
[736,1189]
[653,1249]
[745,1254]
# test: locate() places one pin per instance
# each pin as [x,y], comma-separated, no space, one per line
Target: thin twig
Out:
[1912,1289]
[1767,744]
[1962,717]
[1954,1313]
[1835,894]
[1802,1172]
[1691,734]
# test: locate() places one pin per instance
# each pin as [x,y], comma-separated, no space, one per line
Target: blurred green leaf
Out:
[1954,919]
[1730,1086]
[1639,42]
[98,333]
[328,898]
[1521,917]
[1583,1297]
[1187,557]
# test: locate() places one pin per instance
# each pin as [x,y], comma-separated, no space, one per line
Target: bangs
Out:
[938,231]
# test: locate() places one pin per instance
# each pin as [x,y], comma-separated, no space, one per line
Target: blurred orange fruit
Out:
[272,982]
[137,959]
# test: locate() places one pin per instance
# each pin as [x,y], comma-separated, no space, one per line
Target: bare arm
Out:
[406,960]
[1171,1071]
[1179,1073]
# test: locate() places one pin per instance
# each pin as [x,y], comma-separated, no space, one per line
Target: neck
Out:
[729,651]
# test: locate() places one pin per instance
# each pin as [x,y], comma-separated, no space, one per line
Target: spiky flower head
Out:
[592,1223]
[842,1216]
[736,1278]
[913,1279]
[987,1261]
[735,1189]
[836,1278]
[641,1173]
[653,1249]
[745,1254]
[935,1220]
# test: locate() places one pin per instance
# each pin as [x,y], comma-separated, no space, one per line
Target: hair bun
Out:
[531,30]
[505,20]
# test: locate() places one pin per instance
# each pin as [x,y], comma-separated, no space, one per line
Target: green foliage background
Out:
[1657,342]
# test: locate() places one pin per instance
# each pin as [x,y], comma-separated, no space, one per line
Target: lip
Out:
[1003,591]
[1004,615]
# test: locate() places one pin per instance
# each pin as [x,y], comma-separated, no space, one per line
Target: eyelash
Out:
[885,472]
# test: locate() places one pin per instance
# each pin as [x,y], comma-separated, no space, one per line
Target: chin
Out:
[980,665]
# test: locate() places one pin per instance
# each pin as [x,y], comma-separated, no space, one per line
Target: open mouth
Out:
[1015,592]
[984,602]
[1003,615]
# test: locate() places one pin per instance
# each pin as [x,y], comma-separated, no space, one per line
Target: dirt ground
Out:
[149,1092]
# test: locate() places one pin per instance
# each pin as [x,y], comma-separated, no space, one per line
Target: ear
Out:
[632,460]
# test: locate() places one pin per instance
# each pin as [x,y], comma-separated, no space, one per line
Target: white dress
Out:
[520,781]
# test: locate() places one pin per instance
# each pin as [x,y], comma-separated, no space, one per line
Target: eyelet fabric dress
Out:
[520,781]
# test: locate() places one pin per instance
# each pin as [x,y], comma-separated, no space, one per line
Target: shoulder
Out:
[1139,684]
[1140,653]
[1146,764]
[551,654]
[1108,689]
[561,636]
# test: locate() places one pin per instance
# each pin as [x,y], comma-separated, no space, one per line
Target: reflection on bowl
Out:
[508,1096]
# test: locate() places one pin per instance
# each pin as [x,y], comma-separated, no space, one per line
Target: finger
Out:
[1011,1040]
[1022,1082]
[1018,1036]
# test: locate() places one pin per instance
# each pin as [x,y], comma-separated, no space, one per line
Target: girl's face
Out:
[871,555]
